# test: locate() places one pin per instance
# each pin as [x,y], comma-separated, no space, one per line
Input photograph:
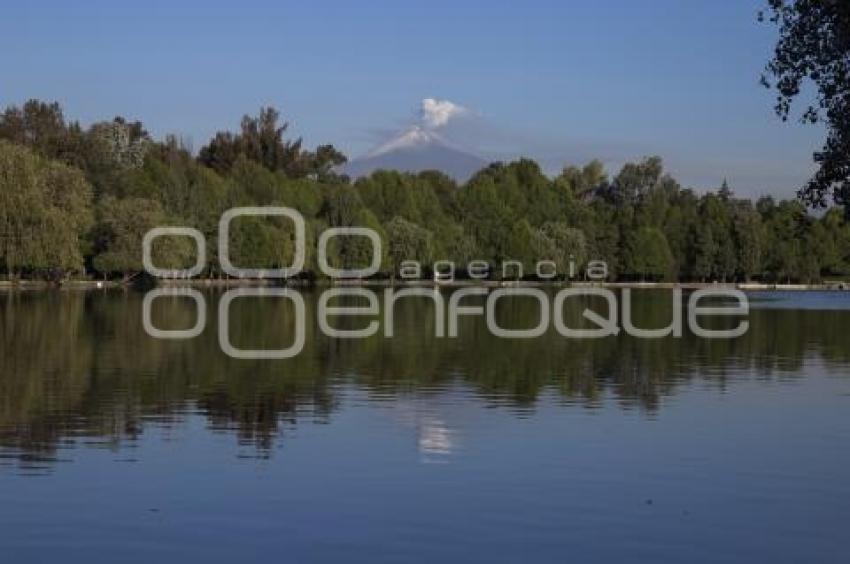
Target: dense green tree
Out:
[261,242]
[523,243]
[343,207]
[45,209]
[407,241]
[681,215]
[748,240]
[834,242]
[786,225]
[570,246]
[121,226]
[485,216]
[261,140]
[390,194]
[583,182]
[650,257]
[814,46]
[634,181]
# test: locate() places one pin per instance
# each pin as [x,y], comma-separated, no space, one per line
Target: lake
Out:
[119,447]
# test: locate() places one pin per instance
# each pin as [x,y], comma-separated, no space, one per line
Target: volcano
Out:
[414,150]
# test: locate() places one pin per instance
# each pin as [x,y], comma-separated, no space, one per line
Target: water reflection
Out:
[78,368]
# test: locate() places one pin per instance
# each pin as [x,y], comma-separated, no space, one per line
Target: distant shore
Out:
[244,282]
[746,286]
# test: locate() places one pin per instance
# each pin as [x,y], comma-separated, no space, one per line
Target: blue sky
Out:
[558,81]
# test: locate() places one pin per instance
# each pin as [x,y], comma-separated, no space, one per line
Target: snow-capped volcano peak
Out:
[416,149]
[421,147]
[414,136]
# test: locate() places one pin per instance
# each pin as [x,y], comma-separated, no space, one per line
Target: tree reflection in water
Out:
[78,367]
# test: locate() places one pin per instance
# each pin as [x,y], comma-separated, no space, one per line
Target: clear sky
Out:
[557,80]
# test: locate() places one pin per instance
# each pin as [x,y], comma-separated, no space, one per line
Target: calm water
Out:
[117,447]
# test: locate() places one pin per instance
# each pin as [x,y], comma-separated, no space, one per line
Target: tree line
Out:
[77,201]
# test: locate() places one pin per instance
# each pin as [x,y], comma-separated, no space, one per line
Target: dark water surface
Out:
[118,447]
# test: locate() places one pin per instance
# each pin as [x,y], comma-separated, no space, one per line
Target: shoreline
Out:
[828,286]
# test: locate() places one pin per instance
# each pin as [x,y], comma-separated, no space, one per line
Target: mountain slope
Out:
[415,150]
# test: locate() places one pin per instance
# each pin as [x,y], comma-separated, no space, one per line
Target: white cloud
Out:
[437,113]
